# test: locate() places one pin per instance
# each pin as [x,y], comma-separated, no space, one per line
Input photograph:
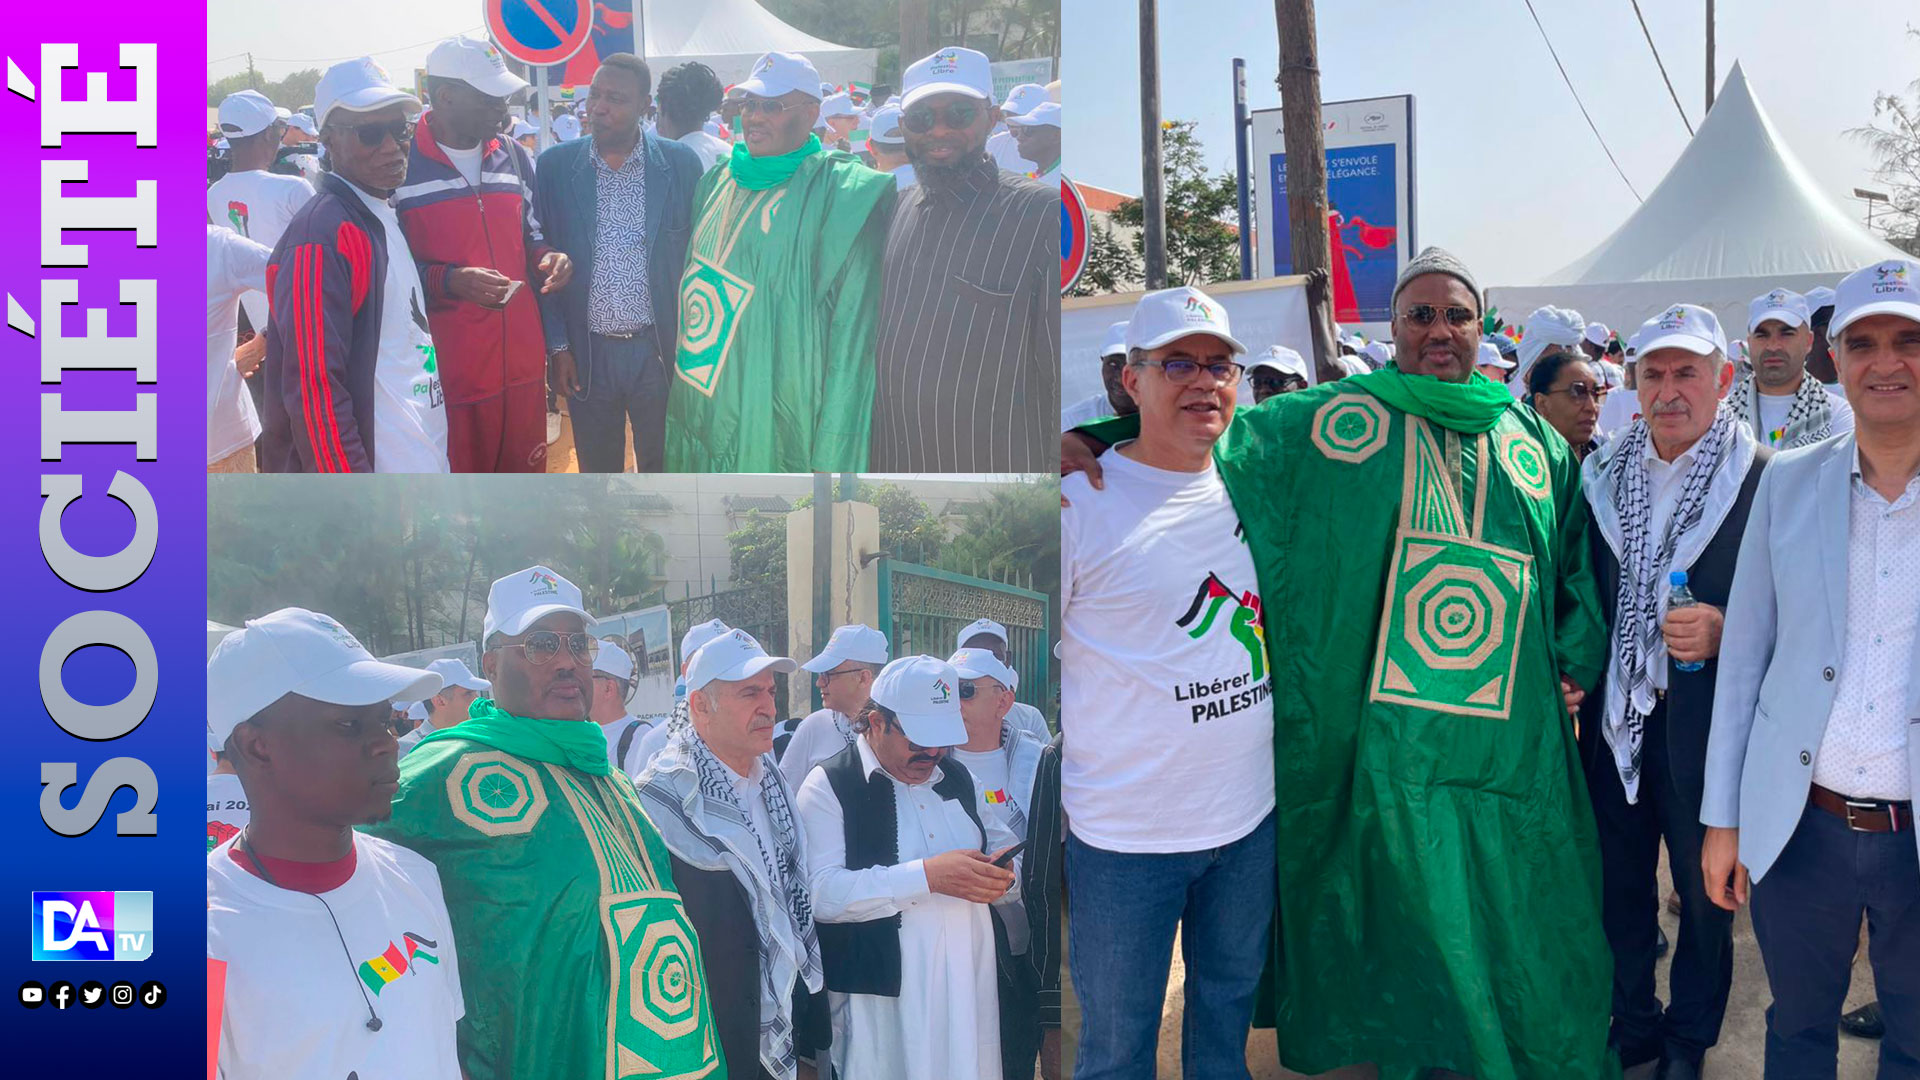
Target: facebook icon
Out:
[92,925]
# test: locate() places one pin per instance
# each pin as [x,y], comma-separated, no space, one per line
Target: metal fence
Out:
[926,608]
[760,610]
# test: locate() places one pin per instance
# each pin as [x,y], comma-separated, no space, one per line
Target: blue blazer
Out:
[1778,674]
[566,201]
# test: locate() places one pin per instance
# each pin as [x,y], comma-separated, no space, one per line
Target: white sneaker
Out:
[553,428]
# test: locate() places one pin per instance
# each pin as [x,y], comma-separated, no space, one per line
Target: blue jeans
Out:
[624,383]
[1125,909]
[1806,918]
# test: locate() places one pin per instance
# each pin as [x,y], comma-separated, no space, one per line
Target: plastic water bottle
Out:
[1682,597]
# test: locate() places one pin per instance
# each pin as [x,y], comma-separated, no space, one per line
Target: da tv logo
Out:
[92,925]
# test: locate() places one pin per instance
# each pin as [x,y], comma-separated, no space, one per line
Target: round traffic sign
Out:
[539,31]
[1073,235]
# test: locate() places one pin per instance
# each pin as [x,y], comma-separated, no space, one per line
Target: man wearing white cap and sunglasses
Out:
[1781,402]
[1364,504]
[1001,145]
[523,813]
[844,672]
[1038,134]
[1815,746]
[1279,370]
[727,815]
[898,864]
[775,366]
[992,636]
[338,949]
[352,380]
[459,689]
[250,200]
[969,342]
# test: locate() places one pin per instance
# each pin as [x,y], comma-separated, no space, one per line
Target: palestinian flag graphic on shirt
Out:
[393,963]
[1209,600]
[237,214]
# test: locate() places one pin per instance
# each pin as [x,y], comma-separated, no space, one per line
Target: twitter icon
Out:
[92,995]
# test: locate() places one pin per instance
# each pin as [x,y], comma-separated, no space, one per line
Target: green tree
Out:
[1894,139]
[1112,266]
[757,552]
[1203,216]
[292,92]
[1013,537]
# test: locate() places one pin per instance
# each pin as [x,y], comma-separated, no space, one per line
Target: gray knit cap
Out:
[1438,261]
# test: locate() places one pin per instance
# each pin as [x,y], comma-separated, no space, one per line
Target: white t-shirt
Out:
[821,735]
[235,264]
[633,765]
[990,800]
[256,204]
[409,410]
[1773,414]
[1006,153]
[1169,730]
[1096,406]
[294,1009]
[1620,410]
[711,148]
[467,161]
[226,808]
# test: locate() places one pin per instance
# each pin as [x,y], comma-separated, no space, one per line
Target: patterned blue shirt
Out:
[619,300]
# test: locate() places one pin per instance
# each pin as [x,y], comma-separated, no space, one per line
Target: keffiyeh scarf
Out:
[1808,421]
[689,794]
[1617,488]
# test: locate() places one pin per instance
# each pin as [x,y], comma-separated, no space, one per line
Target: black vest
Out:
[864,957]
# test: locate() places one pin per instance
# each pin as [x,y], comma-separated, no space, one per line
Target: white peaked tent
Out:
[1735,216]
[729,35]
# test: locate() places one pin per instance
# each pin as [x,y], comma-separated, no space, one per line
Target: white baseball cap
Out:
[885,126]
[476,63]
[1166,316]
[697,636]
[779,73]
[976,628]
[951,70]
[1885,288]
[1022,98]
[1780,305]
[731,657]
[1281,358]
[1045,114]
[613,659]
[981,664]
[1116,341]
[456,673]
[296,651]
[852,642]
[837,105]
[522,129]
[1379,352]
[1597,334]
[924,692]
[1682,326]
[417,711]
[1490,357]
[246,113]
[359,86]
[304,123]
[1818,297]
[524,597]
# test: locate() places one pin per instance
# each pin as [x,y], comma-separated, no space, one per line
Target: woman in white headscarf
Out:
[1545,328]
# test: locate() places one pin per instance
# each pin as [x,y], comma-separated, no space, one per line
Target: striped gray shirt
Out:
[969,335]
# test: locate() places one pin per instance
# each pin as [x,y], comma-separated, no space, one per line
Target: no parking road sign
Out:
[1073,235]
[540,32]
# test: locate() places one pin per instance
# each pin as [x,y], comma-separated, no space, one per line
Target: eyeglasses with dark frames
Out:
[1180,372]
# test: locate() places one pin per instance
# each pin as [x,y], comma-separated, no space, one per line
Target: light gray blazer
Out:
[1786,625]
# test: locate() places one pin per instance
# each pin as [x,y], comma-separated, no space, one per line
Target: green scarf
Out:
[577,744]
[761,173]
[1471,407]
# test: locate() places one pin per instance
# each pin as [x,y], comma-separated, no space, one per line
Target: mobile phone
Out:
[1006,857]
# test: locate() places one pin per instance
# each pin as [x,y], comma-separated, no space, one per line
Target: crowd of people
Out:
[535,882]
[763,277]
[1422,666]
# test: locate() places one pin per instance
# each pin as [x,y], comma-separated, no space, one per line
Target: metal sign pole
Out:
[1240,136]
[546,107]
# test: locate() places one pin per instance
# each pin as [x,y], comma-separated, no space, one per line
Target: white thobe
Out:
[945,1025]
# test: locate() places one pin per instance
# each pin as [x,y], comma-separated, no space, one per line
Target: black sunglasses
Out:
[1424,314]
[767,106]
[372,135]
[955,114]
[543,645]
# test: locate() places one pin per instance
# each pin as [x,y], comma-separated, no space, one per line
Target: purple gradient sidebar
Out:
[168,601]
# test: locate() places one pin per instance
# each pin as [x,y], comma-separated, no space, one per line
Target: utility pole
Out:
[1153,178]
[1306,149]
[914,42]
[253,80]
[1240,136]
[822,565]
[1709,56]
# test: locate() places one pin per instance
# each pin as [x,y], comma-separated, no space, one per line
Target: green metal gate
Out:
[760,610]
[925,610]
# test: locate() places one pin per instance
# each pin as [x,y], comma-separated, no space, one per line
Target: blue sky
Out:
[1510,177]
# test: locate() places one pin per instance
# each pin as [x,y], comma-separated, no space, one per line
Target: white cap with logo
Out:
[1280,358]
[296,651]
[1022,98]
[924,693]
[359,86]
[840,104]
[1597,333]
[977,627]
[1682,326]
[456,673]
[1166,316]
[246,113]
[1885,288]
[731,657]
[1819,297]
[1780,305]
[852,642]
[1115,343]
[699,635]
[951,70]
[1045,114]
[780,73]
[476,63]
[613,659]
[981,664]
[524,597]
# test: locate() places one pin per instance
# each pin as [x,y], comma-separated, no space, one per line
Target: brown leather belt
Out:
[1864,815]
